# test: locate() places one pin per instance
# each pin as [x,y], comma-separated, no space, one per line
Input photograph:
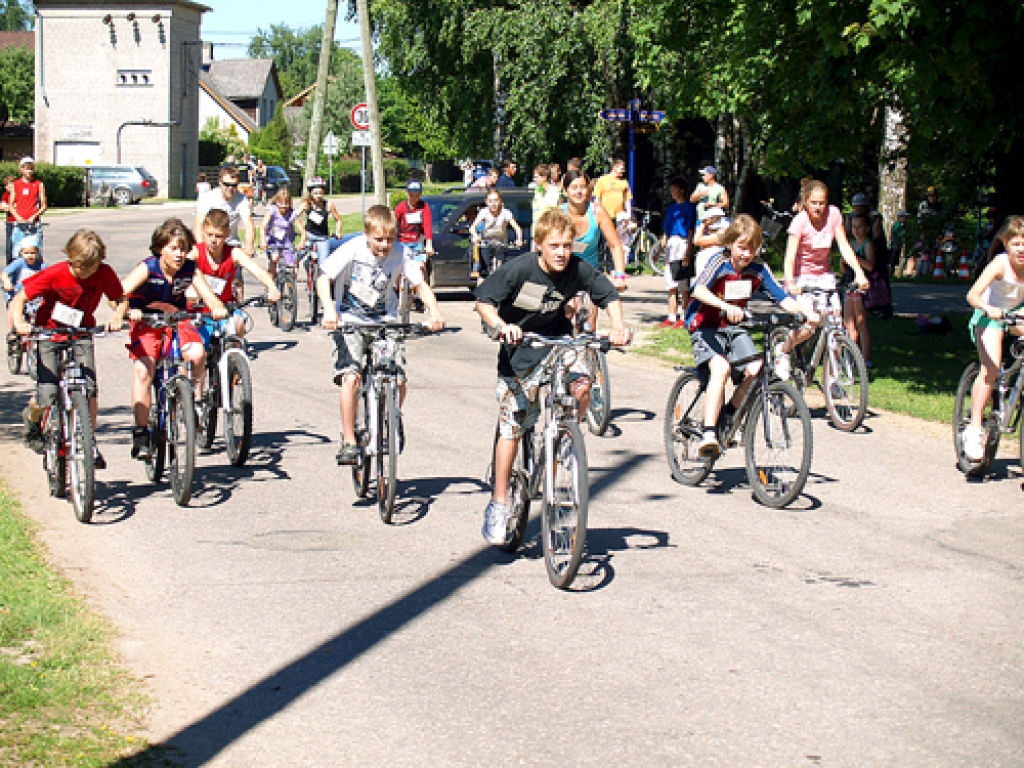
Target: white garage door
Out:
[76,152]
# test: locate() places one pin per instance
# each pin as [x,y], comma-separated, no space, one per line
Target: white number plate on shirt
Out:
[64,314]
[279,233]
[738,289]
[316,217]
[217,284]
[415,217]
[364,293]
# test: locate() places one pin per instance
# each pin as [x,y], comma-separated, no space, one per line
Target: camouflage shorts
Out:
[518,401]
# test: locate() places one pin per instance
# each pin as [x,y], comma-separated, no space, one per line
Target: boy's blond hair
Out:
[743,227]
[552,220]
[85,249]
[380,219]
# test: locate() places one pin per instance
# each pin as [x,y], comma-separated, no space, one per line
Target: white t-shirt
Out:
[365,288]
[236,208]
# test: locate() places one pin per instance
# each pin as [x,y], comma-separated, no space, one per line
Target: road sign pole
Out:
[330,175]
[362,181]
[633,105]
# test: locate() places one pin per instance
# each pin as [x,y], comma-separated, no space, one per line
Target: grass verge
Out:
[63,698]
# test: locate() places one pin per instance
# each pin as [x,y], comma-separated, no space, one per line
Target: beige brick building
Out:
[106,69]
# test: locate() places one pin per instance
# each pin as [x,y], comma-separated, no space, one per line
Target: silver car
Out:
[125,184]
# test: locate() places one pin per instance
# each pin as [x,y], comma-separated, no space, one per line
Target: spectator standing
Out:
[709,193]
[612,191]
[898,239]
[507,180]
[680,221]
[202,185]
[556,173]
[28,203]
[487,181]
[227,198]
[546,194]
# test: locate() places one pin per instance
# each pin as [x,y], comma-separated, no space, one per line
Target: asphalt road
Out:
[277,621]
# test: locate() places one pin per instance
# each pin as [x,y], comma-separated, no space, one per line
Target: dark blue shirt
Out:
[161,289]
[680,219]
[505,181]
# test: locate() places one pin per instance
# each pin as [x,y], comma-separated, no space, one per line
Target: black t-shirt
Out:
[529,297]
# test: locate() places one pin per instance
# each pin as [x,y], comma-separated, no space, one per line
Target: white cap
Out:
[26,160]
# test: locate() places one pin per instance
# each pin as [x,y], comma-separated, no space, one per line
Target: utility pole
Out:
[380,194]
[316,124]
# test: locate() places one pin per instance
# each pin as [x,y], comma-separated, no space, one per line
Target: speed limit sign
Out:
[360,117]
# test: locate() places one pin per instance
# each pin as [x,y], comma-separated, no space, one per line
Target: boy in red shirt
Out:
[28,202]
[69,292]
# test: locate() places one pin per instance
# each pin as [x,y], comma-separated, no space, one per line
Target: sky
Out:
[232,22]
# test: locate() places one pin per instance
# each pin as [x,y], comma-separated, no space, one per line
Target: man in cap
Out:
[709,192]
[28,203]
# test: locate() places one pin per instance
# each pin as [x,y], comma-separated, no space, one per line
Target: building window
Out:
[134,77]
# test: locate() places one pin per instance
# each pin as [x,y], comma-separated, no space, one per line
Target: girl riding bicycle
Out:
[279,228]
[319,212]
[996,293]
[491,226]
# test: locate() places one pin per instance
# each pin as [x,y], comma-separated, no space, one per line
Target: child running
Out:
[28,263]
[998,291]
[280,225]
[719,298]
[491,226]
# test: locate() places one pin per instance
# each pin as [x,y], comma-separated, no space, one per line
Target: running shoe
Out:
[974,446]
[495,530]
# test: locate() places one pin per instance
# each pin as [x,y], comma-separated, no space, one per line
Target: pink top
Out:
[815,247]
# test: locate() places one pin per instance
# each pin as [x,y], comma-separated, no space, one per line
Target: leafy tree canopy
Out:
[17,85]
[15,15]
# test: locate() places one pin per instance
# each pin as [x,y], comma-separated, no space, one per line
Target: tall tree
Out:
[15,15]
[17,85]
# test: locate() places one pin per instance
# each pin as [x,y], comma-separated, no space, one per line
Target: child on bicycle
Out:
[855,313]
[319,211]
[720,295]
[536,293]
[160,284]
[365,272]
[280,225]
[491,226]
[68,294]
[28,263]
[998,292]
[808,263]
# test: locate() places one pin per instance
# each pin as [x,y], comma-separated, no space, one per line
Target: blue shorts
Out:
[207,326]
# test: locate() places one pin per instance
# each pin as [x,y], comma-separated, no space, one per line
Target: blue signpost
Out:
[634,116]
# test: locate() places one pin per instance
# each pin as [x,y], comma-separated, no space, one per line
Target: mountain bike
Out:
[1002,413]
[172,411]
[552,463]
[493,254]
[844,375]
[379,432]
[68,437]
[21,349]
[228,388]
[283,313]
[310,262]
[775,226]
[645,247]
[773,419]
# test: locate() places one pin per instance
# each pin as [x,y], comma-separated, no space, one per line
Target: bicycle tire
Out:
[54,460]
[387,453]
[31,363]
[962,418]
[361,469]
[518,498]
[404,301]
[564,522]
[653,253]
[314,300]
[684,426]
[774,481]
[181,439]
[82,469]
[206,428]
[238,417]
[14,355]
[289,310]
[599,412]
[846,389]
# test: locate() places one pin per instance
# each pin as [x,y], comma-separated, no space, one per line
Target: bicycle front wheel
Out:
[314,301]
[181,439]
[599,414]
[564,516]
[361,469]
[684,426]
[238,416]
[54,459]
[779,446]
[404,301]
[83,463]
[962,420]
[845,381]
[289,303]
[654,253]
[387,452]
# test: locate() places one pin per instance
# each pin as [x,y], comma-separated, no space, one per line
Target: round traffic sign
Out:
[360,117]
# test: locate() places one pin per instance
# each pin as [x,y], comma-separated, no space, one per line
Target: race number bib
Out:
[414,217]
[365,293]
[279,233]
[822,240]
[736,290]
[578,246]
[316,217]
[366,284]
[65,315]
[217,284]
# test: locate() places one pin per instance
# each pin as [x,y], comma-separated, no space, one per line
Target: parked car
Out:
[277,177]
[452,216]
[126,184]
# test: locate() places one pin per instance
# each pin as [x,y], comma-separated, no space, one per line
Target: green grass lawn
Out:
[63,698]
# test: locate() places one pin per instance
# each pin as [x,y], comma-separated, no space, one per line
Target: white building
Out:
[239,92]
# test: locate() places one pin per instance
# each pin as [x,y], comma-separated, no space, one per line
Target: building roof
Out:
[299,99]
[122,3]
[236,114]
[17,40]
[242,78]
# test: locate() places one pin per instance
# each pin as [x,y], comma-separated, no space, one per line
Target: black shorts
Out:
[734,344]
[680,270]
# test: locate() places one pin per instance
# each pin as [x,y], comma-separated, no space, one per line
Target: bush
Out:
[65,185]
[211,152]
[346,173]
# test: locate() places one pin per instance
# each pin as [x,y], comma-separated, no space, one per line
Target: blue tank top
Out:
[160,289]
[590,239]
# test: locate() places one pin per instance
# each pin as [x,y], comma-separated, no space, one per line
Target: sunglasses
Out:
[229,186]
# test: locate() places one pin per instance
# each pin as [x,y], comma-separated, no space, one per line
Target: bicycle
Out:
[310,262]
[172,411]
[773,224]
[493,255]
[844,374]
[1003,414]
[228,388]
[773,418]
[377,416]
[557,457]
[21,349]
[646,246]
[599,410]
[284,312]
[68,437]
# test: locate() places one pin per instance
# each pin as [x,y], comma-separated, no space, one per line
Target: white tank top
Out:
[1006,293]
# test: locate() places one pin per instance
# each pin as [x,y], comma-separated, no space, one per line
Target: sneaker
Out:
[974,448]
[680,323]
[495,530]
[32,434]
[668,322]
[97,459]
[709,447]
[418,306]
[140,443]
[348,454]
[782,365]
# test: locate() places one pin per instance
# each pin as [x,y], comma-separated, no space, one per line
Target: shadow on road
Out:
[415,497]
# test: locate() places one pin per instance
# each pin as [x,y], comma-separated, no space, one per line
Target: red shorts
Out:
[145,341]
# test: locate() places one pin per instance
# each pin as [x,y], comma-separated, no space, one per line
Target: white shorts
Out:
[676,249]
[816,302]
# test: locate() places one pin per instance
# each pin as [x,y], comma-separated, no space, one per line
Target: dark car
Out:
[277,178]
[452,216]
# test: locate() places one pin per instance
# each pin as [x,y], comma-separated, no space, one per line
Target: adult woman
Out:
[590,222]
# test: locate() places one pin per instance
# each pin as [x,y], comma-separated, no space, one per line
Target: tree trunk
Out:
[892,170]
[316,123]
[380,193]
[746,163]
[499,111]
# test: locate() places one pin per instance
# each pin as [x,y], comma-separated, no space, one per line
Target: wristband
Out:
[618,275]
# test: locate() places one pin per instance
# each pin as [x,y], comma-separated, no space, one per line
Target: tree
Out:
[274,142]
[17,85]
[296,52]
[15,16]
[216,143]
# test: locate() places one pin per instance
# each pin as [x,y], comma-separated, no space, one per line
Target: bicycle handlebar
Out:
[47,334]
[767,319]
[164,319]
[589,340]
[398,329]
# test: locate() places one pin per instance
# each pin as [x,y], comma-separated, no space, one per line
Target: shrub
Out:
[65,185]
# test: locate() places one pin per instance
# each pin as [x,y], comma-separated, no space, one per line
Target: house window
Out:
[134,77]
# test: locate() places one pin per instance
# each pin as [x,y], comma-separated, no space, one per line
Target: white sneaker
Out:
[782,366]
[974,448]
[495,530]
[709,447]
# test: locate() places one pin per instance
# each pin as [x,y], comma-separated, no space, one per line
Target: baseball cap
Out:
[709,169]
[713,211]
[901,213]
[414,186]
[859,199]
[26,160]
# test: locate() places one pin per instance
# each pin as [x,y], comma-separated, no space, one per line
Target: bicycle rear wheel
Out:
[779,446]
[684,425]
[157,442]
[14,355]
[962,419]
[80,453]
[518,493]
[845,381]
[181,439]
[387,452]
[314,301]
[207,425]
[599,414]
[289,303]
[54,458]
[238,416]
[361,469]
[651,251]
[564,517]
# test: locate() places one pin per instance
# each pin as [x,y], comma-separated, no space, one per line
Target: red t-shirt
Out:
[6,198]
[413,223]
[58,284]
[26,197]
[224,271]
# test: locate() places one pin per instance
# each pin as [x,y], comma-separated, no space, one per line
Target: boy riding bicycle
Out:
[720,295]
[536,293]
[365,273]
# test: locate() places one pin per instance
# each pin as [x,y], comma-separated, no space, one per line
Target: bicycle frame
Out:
[1006,402]
[70,379]
[169,367]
